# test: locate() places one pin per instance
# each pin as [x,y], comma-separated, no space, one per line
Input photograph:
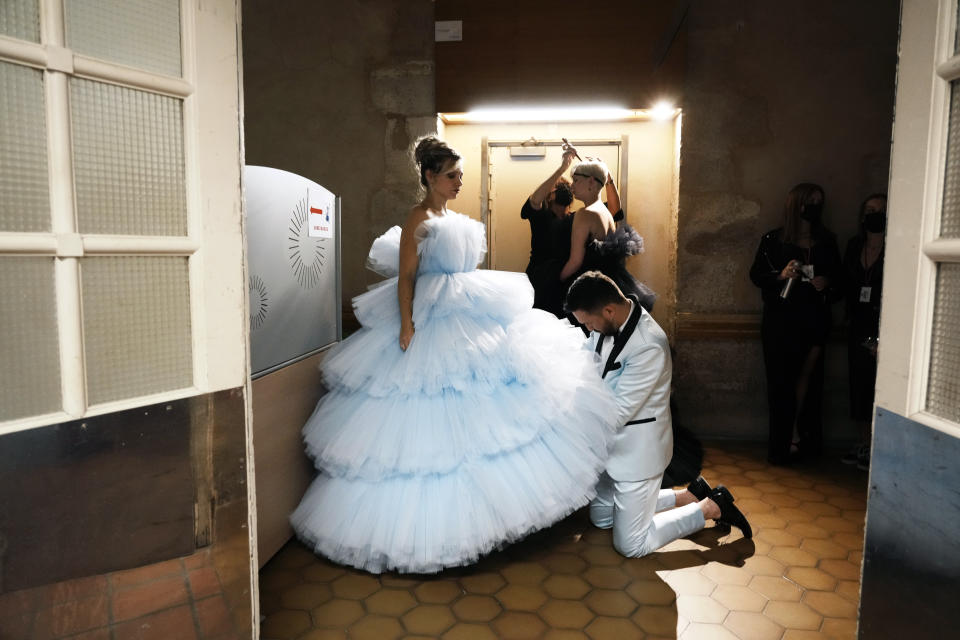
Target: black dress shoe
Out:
[729,513]
[700,489]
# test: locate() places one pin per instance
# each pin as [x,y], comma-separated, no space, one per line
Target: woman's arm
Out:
[579,235]
[407,273]
[613,196]
[541,193]
[766,271]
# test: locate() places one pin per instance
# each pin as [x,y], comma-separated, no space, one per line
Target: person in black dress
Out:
[863,281]
[599,242]
[798,270]
[551,220]
[548,211]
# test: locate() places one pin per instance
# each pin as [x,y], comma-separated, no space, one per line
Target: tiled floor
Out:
[798,578]
[180,599]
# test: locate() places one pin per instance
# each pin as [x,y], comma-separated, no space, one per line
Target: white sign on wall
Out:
[322,209]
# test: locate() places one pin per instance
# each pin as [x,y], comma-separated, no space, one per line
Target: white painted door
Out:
[120,214]
[919,359]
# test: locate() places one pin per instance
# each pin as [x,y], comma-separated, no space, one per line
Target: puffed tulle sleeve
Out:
[384,256]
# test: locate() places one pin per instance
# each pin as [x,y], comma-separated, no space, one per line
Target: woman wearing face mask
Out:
[551,218]
[548,211]
[863,278]
[798,270]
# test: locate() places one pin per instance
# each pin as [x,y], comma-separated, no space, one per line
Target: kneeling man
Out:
[634,357]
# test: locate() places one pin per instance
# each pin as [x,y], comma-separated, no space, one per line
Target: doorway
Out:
[515,169]
[642,154]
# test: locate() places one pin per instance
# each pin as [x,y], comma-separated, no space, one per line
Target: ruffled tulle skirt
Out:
[493,424]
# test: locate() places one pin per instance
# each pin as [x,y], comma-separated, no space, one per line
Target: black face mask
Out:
[875,221]
[811,212]
[562,194]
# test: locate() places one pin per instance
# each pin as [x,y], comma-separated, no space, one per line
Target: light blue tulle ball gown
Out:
[493,424]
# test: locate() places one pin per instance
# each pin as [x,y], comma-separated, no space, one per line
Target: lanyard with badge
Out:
[866,290]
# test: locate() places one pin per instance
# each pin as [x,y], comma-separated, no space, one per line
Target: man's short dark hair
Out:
[591,292]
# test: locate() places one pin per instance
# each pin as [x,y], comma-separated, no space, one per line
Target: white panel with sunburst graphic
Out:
[293,276]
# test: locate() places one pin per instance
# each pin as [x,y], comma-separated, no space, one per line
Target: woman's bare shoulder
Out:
[415,218]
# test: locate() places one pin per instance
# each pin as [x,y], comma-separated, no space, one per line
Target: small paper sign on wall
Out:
[321,212]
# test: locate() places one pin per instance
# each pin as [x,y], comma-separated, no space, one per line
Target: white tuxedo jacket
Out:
[639,371]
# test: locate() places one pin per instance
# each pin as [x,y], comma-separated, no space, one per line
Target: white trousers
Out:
[644,517]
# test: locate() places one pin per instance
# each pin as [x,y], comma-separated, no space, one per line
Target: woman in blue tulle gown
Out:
[458,419]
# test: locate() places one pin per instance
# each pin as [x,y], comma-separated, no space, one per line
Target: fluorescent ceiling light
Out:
[662,111]
[557,114]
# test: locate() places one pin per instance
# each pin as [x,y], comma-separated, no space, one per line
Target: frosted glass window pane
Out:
[137,33]
[24,182]
[136,326]
[950,218]
[943,391]
[20,19]
[30,368]
[128,160]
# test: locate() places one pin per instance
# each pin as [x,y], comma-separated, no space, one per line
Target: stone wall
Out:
[774,96]
[336,92]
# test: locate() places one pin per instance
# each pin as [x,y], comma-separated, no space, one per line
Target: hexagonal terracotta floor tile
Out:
[286,624]
[776,588]
[566,586]
[701,631]
[564,563]
[610,602]
[651,592]
[337,613]
[518,597]
[437,592]
[604,628]
[793,557]
[517,625]
[701,609]
[305,595]
[473,608]
[602,556]
[566,614]
[752,626]
[842,569]
[321,572]
[391,602]
[656,620]
[428,619]
[812,578]
[376,628]
[469,631]
[483,583]
[807,530]
[690,582]
[725,574]
[528,573]
[792,615]
[606,577]
[739,598]
[830,605]
[355,586]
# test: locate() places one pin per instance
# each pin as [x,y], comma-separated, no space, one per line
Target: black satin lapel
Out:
[623,336]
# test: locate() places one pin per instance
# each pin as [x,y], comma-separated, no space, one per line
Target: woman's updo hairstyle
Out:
[433,154]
